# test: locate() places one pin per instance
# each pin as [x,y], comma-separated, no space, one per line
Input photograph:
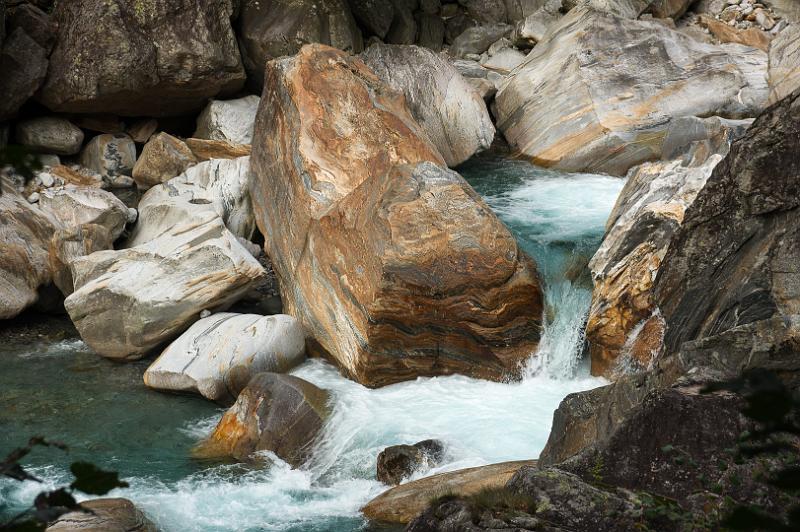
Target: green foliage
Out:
[50,505]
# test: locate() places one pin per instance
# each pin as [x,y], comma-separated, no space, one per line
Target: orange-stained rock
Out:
[754,37]
[204,149]
[395,266]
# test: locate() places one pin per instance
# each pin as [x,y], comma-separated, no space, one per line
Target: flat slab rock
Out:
[128,302]
[219,355]
[394,265]
[108,515]
[403,503]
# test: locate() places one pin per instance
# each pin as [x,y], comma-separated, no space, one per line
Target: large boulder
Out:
[217,356]
[623,328]
[400,461]
[784,63]
[450,112]
[229,120]
[275,28]
[130,301]
[610,89]
[25,234]
[393,264]
[278,413]
[104,515]
[478,39]
[146,58]
[404,502]
[72,242]
[218,186]
[23,63]
[162,158]
[740,233]
[50,134]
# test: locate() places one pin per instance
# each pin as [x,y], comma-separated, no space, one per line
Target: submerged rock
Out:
[106,515]
[393,264]
[50,134]
[128,302]
[399,461]
[228,120]
[218,186]
[611,89]
[403,503]
[162,158]
[219,355]
[146,58]
[447,108]
[278,413]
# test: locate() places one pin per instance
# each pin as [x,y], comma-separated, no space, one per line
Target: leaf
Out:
[92,480]
[667,449]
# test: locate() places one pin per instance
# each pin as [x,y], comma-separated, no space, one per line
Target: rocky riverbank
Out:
[291,186]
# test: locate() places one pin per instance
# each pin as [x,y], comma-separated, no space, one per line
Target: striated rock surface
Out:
[107,515]
[204,150]
[25,234]
[394,265]
[69,243]
[609,89]
[623,328]
[402,503]
[278,413]
[50,134]
[784,63]
[399,461]
[739,235]
[218,186]
[217,356]
[162,158]
[128,302]
[77,206]
[447,108]
[228,120]
[144,58]
[275,28]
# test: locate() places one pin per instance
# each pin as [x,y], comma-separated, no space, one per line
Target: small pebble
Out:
[33,198]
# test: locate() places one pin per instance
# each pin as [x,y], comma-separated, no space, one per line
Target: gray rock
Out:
[484,81]
[375,16]
[430,31]
[478,39]
[275,28]
[504,60]
[50,134]
[399,461]
[784,63]
[740,234]
[76,206]
[456,25]
[128,302]
[162,158]
[403,29]
[218,186]
[72,242]
[486,11]
[604,121]
[110,155]
[453,116]
[107,515]
[228,120]
[25,234]
[534,27]
[24,66]
[218,355]
[154,58]
[278,413]
[36,23]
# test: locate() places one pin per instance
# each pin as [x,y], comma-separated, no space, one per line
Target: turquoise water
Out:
[60,389]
